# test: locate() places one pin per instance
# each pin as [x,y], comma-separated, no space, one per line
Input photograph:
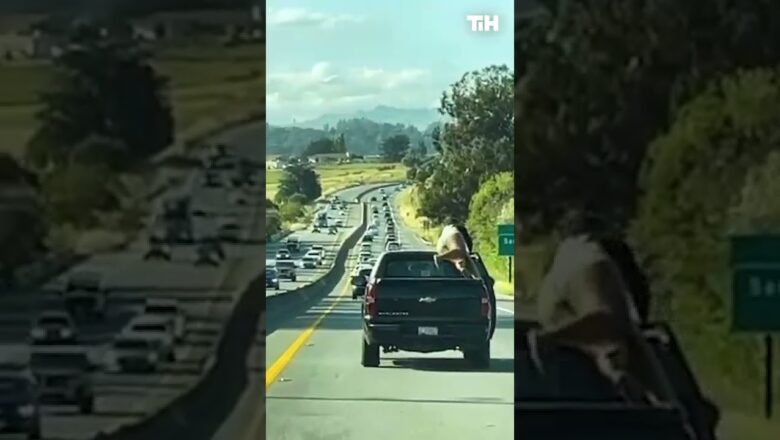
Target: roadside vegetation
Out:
[86,139]
[471,179]
[677,150]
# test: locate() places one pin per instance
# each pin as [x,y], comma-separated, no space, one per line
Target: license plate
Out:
[428,331]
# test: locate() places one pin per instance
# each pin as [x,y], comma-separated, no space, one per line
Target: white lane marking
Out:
[511,312]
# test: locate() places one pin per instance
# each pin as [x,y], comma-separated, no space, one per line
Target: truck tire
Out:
[370,355]
[478,356]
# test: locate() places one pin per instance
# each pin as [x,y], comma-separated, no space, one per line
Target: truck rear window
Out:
[420,269]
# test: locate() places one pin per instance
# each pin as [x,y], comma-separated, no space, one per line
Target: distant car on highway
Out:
[446,310]
[157,328]
[282,254]
[272,279]
[65,376]
[170,310]
[293,244]
[318,248]
[317,255]
[229,231]
[367,238]
[53,326]
[373,198]
[364,254]
[85,280]
[19,400]
[339,223]
[134,352]
[309,262]
[390,238]
[392,246]
[286,269]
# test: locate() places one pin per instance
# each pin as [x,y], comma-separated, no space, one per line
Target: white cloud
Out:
[305,17]
[325,88]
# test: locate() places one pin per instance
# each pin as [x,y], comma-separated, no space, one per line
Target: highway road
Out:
[206,293]
[323,392]
[331,243]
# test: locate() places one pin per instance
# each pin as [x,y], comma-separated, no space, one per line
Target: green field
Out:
[210,85]
[336,177]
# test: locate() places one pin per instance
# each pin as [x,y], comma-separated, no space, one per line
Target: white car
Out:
[168,309]
[319,248]
[393,246]
[133,352]
[364,254]
[52,327]
[365,247]
[314,254]
[157,328]
[309,262]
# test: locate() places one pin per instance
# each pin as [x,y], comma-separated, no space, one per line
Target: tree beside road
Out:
[471,179]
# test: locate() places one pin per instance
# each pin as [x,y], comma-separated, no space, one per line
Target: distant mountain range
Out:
[417,117]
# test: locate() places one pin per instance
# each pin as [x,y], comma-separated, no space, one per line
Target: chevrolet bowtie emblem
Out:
[427,299]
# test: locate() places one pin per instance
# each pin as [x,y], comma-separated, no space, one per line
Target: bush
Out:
[292,212]
[487,209]
[692,177]
[75,194]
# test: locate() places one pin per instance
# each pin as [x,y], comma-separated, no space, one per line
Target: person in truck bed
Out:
[452,246]
[585,302]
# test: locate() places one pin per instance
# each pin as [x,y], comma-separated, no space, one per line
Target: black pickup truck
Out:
[570,400]
[410,304]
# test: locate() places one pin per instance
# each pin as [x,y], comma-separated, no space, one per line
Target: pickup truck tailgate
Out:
[429,299]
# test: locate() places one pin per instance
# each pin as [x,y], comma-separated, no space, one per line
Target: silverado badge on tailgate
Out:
[427,299]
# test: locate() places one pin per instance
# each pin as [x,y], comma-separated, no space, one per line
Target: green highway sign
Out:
[755,262]
[506,240]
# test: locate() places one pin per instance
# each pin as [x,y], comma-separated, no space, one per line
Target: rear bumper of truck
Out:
[406,336]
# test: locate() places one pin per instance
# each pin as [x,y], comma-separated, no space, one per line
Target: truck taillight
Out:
[485,306]
[371,300]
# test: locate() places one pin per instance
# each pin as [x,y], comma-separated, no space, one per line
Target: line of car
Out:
[61,364]
[60,369]
[366,258]
[289,258]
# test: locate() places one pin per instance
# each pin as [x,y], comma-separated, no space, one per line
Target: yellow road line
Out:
[281,363]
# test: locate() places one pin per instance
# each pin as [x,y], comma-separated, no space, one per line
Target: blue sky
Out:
[339,56]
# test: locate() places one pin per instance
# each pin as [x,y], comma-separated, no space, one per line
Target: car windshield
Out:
[271,273]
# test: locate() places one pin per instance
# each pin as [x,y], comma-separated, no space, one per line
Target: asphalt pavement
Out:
[206,294]
[331,243]
[323,393]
